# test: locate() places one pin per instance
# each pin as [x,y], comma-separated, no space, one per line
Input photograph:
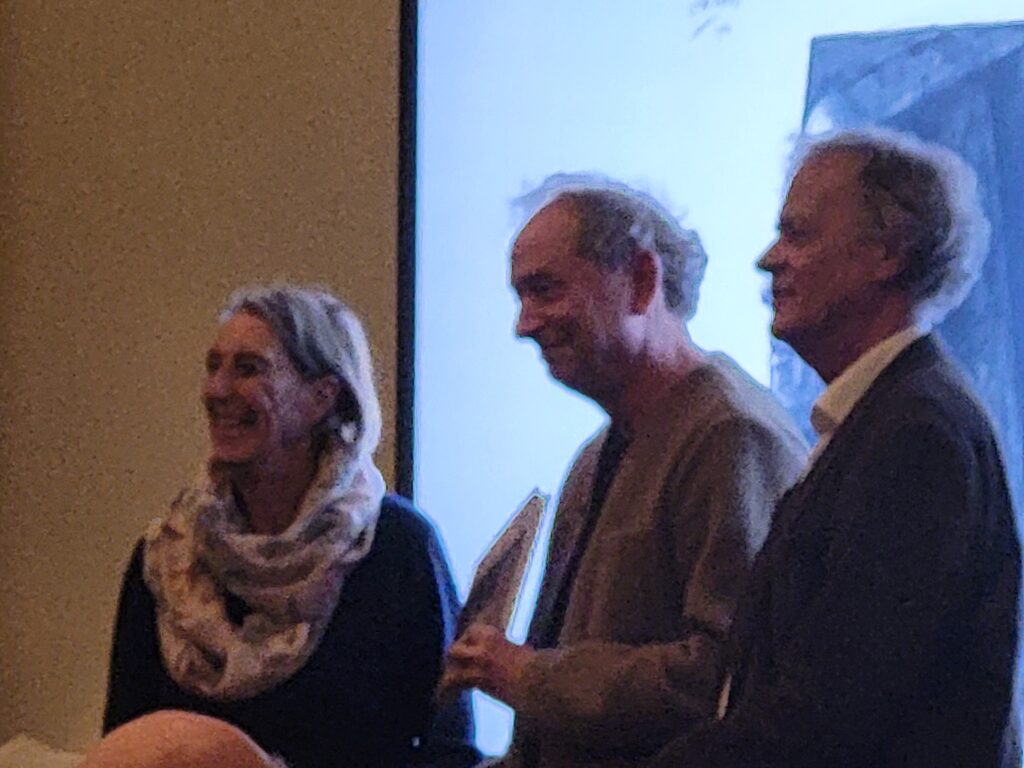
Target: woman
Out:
[284,592]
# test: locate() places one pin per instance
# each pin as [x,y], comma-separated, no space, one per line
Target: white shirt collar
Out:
[842,394]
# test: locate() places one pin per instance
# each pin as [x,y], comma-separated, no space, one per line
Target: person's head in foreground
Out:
[171,739]
[878,231]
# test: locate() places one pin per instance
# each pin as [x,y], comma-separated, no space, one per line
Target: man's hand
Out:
[482,658]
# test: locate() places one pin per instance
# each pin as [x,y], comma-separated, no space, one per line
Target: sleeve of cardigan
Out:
[599,697]
[132,686]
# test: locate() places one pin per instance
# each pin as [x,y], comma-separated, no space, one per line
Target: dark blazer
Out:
[364,697]
[881,626]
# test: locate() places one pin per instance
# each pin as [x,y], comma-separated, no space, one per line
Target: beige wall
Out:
[154,156]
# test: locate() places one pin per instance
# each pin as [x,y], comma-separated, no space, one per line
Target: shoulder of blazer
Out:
[920,372]
[867,423]
[925,380]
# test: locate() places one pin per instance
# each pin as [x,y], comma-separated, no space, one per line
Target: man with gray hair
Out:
[881,624]
[662,511]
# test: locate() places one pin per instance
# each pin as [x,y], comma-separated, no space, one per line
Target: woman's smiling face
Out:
[258,405]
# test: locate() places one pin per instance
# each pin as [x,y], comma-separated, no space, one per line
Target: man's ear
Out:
[645,269]
[887,258]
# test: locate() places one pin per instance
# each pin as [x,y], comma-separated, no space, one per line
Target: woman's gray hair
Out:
[925,198]
[614,220]
[322,337]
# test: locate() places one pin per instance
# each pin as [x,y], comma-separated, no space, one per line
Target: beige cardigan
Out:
[640,650]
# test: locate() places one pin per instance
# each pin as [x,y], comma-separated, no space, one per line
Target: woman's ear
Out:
[325,395]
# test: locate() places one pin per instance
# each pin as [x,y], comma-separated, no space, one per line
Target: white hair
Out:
[614,220]
[927,197]
[322,337]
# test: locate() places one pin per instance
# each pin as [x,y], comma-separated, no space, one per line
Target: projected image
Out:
[696,103]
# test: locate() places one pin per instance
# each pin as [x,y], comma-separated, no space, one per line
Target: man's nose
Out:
[771,259]
[527,323]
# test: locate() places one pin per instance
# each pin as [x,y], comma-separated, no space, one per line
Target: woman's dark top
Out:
[364,697]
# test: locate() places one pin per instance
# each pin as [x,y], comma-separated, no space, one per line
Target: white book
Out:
[499,575]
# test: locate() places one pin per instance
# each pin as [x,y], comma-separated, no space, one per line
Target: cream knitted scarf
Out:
[202,550]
